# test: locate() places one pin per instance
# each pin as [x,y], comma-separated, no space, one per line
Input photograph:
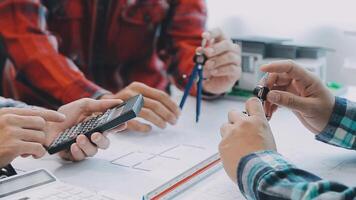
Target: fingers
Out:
[254,107]
[292,69]
[159,109]
[135,125]
[157,95]
[225,129]
[288,100]
[26,122]
[234,116]
[120,128]
[101,141]
[221,48]
[224,57]
[228,58]
[92,106]
[86,146]
[269,109]
[31,136]
[76,154]
[31,148]
[48,115]
[275,79]
[151,116]
[214,34]
[228,70]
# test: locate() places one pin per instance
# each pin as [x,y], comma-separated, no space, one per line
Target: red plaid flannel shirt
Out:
[79,48]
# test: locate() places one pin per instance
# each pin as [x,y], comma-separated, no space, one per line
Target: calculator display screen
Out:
[114,113]
[24,182]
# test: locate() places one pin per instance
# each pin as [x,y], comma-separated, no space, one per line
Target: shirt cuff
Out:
[334,133]
[253,167]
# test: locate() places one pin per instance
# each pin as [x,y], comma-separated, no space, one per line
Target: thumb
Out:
[288,100]
[254,107]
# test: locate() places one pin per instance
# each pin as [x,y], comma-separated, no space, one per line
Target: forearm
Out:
[267,175]
[341,128]
[33,51]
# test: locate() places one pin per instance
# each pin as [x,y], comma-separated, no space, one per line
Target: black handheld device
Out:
[261,92]
[100,123]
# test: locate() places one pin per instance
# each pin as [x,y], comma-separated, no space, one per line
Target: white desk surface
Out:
[293,141]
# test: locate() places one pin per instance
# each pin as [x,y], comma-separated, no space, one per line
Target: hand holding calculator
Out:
[108,120]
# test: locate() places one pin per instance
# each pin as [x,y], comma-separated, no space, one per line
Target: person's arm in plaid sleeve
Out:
[268,175]
[341,129]
[248,151]
[34,53]
[250,159]
[184,33]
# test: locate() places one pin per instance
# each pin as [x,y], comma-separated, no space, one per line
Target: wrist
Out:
[336,107]
[336,129]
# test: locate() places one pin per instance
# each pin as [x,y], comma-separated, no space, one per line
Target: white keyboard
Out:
[42,185]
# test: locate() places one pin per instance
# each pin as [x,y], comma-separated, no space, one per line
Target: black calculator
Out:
[100,123]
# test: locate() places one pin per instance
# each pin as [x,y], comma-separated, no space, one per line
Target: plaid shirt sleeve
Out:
[341,129]
[267,175]
[33,50]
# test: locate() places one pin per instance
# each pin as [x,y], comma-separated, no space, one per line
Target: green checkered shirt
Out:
[267,175]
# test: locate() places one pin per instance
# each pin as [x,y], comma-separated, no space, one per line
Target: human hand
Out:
[22,132]
[76,112]
[244,135]
[299,90]
[158,107]
[223,67]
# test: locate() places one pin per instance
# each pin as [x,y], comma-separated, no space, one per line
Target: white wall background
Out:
[328,23]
